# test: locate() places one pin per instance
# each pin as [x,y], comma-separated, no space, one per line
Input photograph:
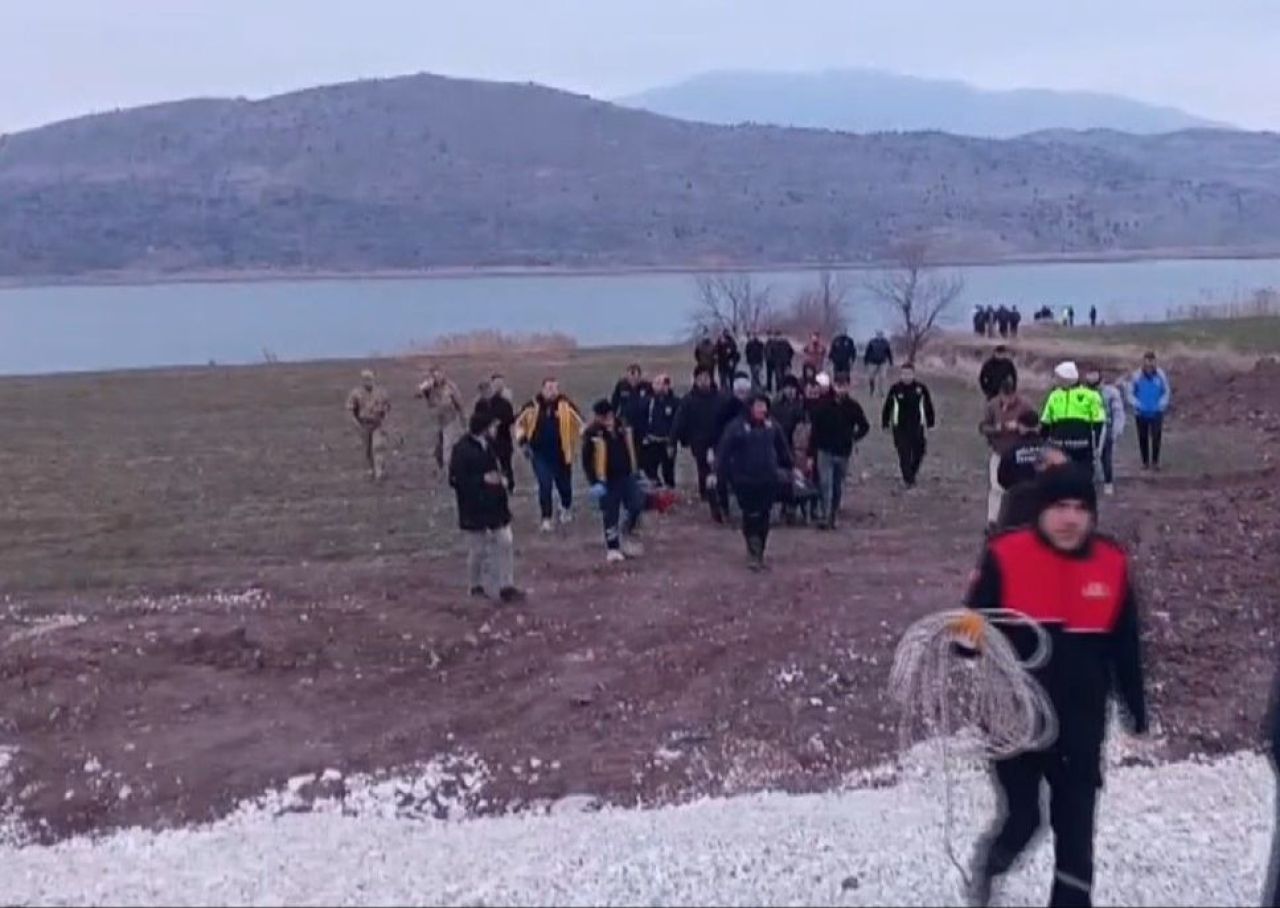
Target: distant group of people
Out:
[1080,422]
[1002,320]
[1067,317]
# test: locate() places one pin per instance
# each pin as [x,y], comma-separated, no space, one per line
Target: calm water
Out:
[87,328]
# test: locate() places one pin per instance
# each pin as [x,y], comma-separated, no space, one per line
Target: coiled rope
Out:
[956,670]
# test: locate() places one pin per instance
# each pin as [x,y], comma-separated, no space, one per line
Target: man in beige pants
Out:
[1000,427]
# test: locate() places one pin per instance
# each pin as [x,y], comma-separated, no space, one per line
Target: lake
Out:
[57,329]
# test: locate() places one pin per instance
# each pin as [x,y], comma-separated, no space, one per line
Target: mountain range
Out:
[870,100]
[426,172]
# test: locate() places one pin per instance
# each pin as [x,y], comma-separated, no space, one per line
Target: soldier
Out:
[444,413]
[369,406]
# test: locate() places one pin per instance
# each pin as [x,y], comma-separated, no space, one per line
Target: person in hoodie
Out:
[657,451]
[754,460]
[1149,394]
[1073,417]
[727,357]
[697,427]
[843,353]
[838,423]
[755,349]
[1113,410]
[630,399]
[1077,585]
[876,358]
[908,411]
[611,467]
[998,369]
[547,431]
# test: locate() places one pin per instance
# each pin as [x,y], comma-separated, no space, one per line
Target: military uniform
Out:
[370,407]
[444,406]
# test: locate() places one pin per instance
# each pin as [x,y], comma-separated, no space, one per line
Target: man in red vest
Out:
[1076,584]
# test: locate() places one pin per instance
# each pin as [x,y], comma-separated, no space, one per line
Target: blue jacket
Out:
[1149,394]
[661,420]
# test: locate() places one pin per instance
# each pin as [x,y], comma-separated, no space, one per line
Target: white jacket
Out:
[1113,403]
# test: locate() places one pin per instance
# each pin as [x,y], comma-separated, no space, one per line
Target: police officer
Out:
[1074,417]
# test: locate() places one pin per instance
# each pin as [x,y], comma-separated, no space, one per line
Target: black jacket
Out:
[704,353]
[1086,603]
[752,454]
[500,408]
[787,414]
[698,419]
[481,505]
[608,455]
[755,352]
[878,352]
[843,352]
[838,424]
[727,355]
[779,353]
[993,373]
[908,408]
[731,410]
[632,404]
[661,421]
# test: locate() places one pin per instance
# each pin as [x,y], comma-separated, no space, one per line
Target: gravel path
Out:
[1182,834]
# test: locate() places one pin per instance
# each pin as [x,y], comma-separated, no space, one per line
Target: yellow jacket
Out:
[569,419]
[1077,403]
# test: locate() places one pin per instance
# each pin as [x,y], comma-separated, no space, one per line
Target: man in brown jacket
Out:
[1000,427]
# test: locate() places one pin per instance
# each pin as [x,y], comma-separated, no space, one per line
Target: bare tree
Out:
[917,293]
[731,301]
[823,309]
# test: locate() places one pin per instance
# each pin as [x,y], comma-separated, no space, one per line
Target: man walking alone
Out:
[839,423]
[875,359]
[369,406]
[484,514]
[1149,393]
[908,411]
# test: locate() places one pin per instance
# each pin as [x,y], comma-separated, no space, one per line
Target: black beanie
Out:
[602,407]
[1067,482]
[481,420]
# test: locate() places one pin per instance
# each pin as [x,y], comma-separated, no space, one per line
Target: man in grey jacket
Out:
[1113,407]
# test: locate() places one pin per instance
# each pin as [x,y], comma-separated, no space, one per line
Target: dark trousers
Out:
[757,375]
[717,498]
[1150,434]
[503,453]
[658,463]
[552,474]
[756,501]
[1271,890]
[1107,457]
[772,377]
[620,495]
[1073,796]
[911,446]
[725,371]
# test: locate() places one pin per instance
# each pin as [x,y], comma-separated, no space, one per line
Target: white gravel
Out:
[1185,834]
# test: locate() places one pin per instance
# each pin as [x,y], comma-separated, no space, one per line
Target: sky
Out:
[62,58]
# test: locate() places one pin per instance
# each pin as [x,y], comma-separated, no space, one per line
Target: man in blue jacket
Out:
[753,459]
[1149,393]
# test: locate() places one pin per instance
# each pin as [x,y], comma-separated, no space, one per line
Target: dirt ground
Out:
[203,598]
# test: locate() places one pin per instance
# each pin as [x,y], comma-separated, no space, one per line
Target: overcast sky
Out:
[60,58]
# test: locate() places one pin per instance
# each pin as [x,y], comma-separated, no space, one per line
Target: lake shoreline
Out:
[134,278]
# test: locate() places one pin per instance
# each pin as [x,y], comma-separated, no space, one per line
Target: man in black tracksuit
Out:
[610,463]
[697,428]
[908,411]
[788,408]
[1077,586]
[657,451]
[631,399]
[843,353]
[755,360]
[778,355]
[727,357]
[498,405]
[998,367]
[755,460]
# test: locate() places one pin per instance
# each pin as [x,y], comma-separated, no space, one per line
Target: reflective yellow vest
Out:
[1076,404]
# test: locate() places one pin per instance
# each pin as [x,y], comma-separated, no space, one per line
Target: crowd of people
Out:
[1003,321]
[778,445]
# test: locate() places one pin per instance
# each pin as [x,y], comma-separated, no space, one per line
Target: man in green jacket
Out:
[1074,417]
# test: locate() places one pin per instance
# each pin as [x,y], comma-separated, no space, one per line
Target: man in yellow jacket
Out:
[1074,416]
[548,430]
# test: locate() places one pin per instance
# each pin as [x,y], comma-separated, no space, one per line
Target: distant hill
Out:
[425,172]
[869,100]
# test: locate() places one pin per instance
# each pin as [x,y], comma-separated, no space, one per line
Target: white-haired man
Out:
[1074,416]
